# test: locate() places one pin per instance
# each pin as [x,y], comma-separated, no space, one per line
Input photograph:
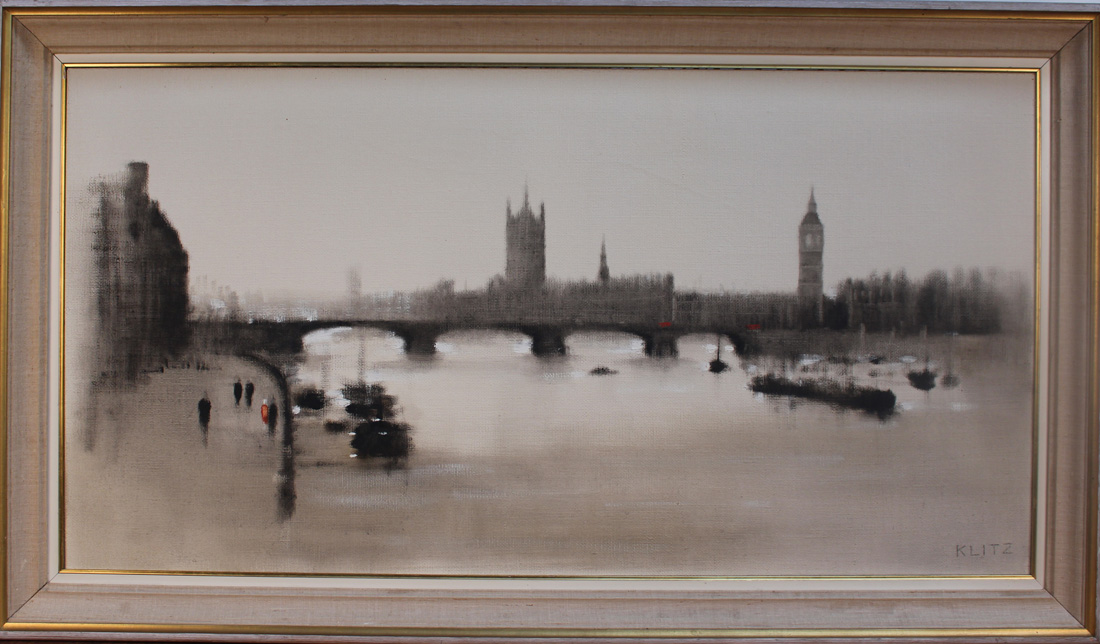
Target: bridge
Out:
[659,339]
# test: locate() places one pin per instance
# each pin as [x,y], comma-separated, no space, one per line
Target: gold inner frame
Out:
[1037,276]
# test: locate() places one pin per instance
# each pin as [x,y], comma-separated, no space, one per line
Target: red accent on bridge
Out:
[665,325]
[752,327]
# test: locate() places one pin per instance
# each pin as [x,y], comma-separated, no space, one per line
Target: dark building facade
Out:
[525,261]
[811,246]
[141,278]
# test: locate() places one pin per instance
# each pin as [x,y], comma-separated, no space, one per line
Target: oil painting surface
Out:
[560,321]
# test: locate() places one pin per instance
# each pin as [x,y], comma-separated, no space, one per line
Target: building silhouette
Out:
[141,278]
[525,260]
[811,244]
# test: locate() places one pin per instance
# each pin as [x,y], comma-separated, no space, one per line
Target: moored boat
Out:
[870,399]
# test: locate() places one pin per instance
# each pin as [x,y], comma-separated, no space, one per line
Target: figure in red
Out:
[263,411]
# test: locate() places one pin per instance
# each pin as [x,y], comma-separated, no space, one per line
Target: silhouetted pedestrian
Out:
[272,417]
[204,416]
[204,411]
[238,389]
[249,389]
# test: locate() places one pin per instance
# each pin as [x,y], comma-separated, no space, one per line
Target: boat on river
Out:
[925,379]
[382,439]
[379,435]
[716,365]
[870,399]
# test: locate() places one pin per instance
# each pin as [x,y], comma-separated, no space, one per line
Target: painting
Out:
[568,321]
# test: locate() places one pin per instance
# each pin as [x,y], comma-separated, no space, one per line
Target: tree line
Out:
[966,301]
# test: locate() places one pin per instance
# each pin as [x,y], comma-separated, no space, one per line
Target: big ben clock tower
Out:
[811,243]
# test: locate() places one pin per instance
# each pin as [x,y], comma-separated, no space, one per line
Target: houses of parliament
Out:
[525,265]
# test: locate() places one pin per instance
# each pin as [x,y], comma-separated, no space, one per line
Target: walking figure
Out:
[204,416]
[237,391]
[249,389]
[272,417]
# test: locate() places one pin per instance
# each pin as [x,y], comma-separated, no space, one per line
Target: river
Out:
[535,466]
[666,468]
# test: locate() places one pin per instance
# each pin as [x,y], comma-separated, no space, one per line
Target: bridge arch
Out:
[744,344]
[549,339]
[657,342]
[504,341]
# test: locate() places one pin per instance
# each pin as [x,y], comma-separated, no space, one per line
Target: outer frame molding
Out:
[1059,606]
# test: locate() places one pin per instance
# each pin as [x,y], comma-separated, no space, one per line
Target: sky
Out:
[281,180]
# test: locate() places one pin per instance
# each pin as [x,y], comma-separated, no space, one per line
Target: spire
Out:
[604,275]
[525,209]
[811,211]
[509,207]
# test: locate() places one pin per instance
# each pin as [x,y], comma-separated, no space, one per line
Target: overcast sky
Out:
[283,179]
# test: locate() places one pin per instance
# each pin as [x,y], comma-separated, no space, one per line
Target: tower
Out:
[811,244]
[604,274]
[525,260]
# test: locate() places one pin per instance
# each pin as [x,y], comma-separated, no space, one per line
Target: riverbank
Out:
[138,455]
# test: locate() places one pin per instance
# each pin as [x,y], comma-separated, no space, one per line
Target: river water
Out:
[534,466]
[538,465]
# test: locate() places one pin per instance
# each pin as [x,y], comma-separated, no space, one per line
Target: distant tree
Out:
[233,306]
[933,302]
[903,299]
[836,311]
[967,301]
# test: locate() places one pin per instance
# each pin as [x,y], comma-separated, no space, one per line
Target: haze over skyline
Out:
[280,180]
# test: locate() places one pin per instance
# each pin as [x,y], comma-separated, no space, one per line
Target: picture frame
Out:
[1057,603]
